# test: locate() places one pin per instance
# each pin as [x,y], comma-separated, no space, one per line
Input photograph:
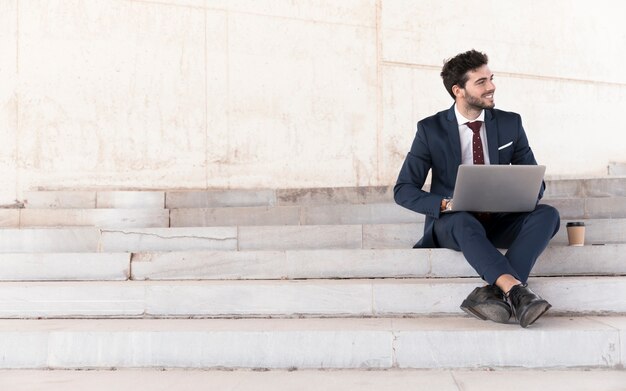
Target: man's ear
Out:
[457,91]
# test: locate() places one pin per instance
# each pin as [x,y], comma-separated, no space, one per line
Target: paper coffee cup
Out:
[576,233]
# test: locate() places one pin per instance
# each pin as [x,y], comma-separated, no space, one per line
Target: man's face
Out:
[479,89]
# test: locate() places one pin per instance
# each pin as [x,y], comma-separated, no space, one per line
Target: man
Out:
[457,136]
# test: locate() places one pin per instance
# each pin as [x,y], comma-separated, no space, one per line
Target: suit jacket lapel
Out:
[452,127]
[492,137]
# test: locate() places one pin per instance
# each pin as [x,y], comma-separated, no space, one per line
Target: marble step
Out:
[105,218]
[370,236]
[597,231]
[589,208]
[271,298]
[382,213]
[388,213]
[609,186]
[294,215]
[9,218]
[94,199]
[608,260]
[65,267]
[333,214]
[383,343]
[366,379]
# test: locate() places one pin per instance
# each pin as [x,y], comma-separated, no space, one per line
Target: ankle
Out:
[506,282]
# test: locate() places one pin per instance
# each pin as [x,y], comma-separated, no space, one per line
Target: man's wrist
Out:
[445,204]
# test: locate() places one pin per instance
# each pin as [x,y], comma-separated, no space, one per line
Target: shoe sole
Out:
[533,312]
[494,312]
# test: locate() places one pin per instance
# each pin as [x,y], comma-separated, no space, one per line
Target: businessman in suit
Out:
[472,131]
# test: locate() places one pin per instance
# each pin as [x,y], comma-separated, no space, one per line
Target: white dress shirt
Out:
[466,134]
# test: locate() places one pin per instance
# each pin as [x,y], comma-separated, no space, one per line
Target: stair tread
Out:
[312,298]
[314,343]
[312,380]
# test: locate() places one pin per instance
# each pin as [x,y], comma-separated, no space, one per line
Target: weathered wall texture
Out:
[287,93]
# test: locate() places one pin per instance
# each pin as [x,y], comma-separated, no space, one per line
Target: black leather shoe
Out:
[527,305]
[487,302]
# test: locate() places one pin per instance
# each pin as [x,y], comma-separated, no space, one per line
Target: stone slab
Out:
[243,380]
[108,218]
[569,208]
[605,260]
[311,298]
[359,214]
[9,217]
[373,213]
[64,267]
[169,239]
[581,295]
[130,199]
[49,240]
[459,343]
[60,199]
[556,260]
[289,264]
[297,264]
[308,349]
[392,235]
[597,231]
[245,298]
[261,215]
[70,299]
[335,195]
[210,265]
[405,235]
[248,343]
[421,296]
[564,188]
[583,379]
[357,263]
[300,237]
[618,323]
[22,349]
[219,198]
[605,187]
[609,207]
[449,342]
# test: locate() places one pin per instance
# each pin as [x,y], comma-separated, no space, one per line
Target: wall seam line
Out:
[228,96]
[18,192]
[206,105]
[379,91]
[508,74]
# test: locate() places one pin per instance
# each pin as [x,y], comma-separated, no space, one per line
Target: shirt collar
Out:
[461,120]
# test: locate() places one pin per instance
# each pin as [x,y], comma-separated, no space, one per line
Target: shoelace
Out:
[517,294]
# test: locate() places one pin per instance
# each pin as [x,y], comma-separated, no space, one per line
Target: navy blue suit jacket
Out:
[437,146]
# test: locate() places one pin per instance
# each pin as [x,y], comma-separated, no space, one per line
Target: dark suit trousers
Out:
[525,235]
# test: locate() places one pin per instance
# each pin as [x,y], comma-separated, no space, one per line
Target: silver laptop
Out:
[497,188]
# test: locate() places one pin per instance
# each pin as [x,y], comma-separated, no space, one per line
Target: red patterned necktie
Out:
[477,143]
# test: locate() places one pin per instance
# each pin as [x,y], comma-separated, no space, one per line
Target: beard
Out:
[479,103]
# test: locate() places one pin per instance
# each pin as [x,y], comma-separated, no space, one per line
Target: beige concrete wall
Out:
[287,93]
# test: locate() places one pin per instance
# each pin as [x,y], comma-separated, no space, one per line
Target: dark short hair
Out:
[455,69]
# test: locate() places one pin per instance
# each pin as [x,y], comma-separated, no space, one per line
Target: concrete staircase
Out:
[296,278]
